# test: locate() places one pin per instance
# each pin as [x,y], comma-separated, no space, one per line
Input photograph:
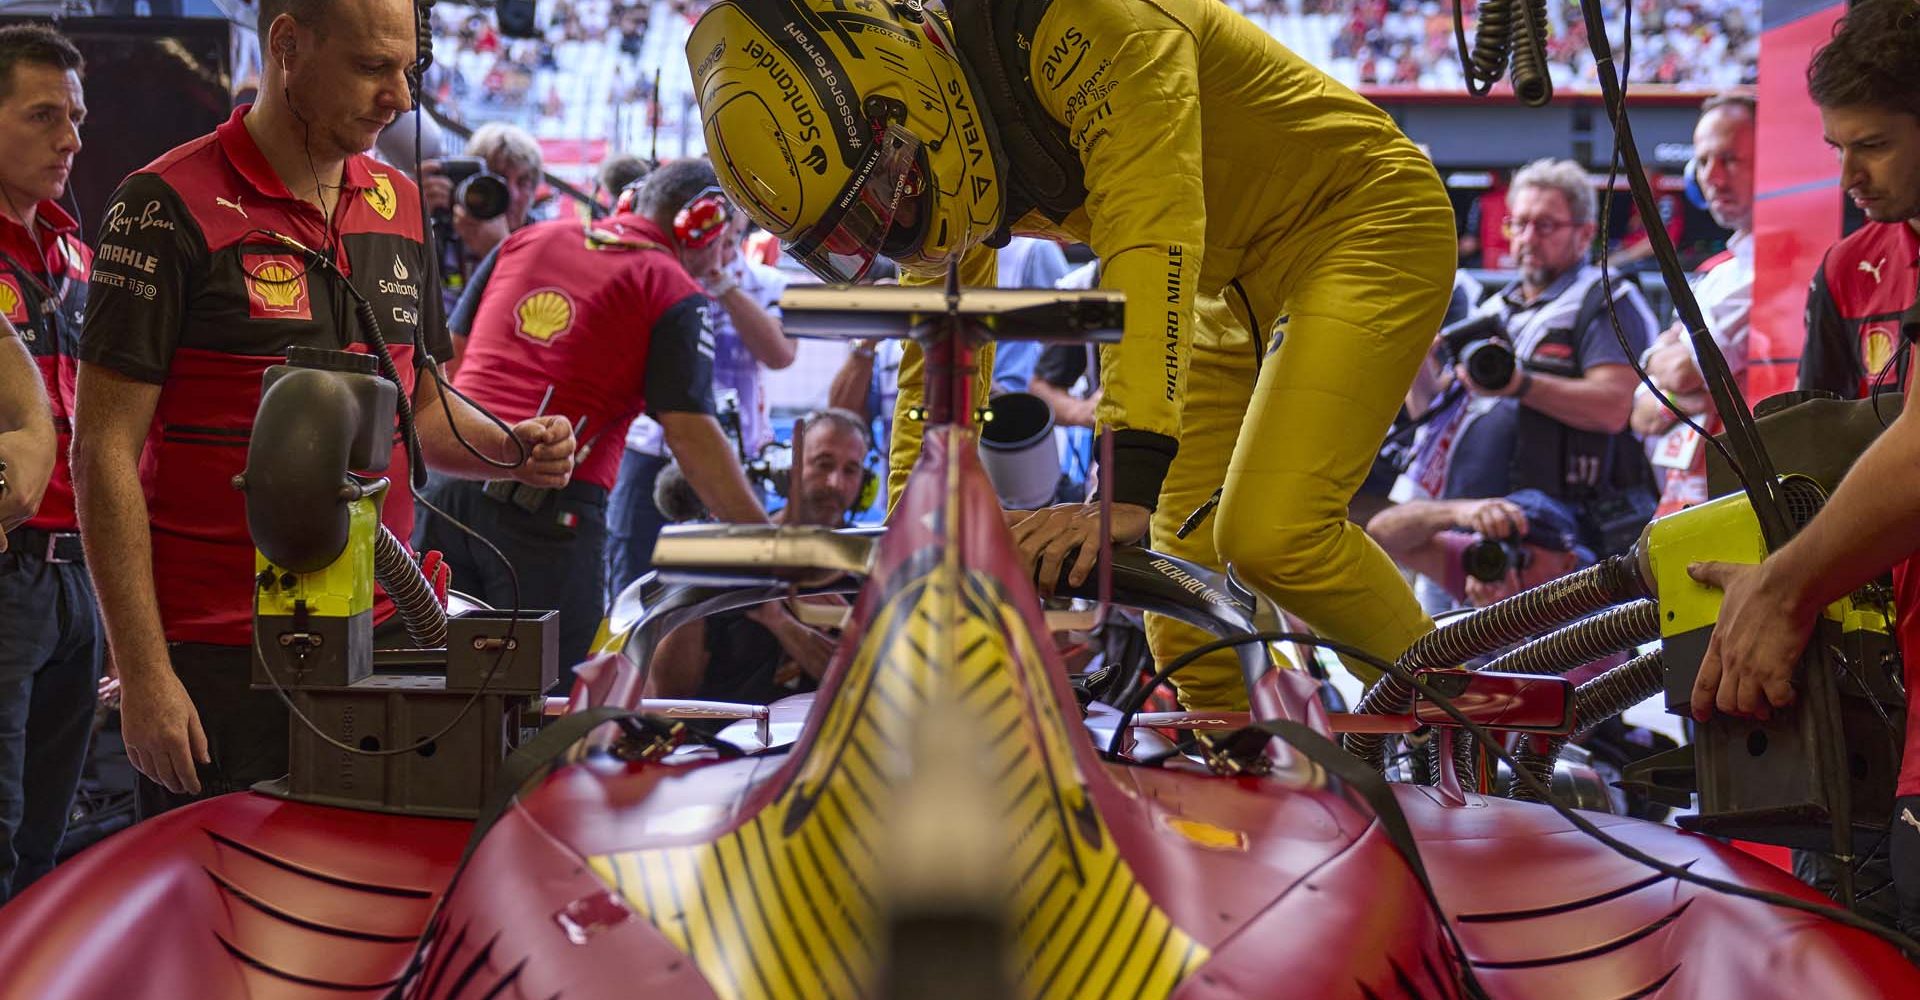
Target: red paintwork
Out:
[163,910]
[1293,885]
[1534,703]
[1797,203]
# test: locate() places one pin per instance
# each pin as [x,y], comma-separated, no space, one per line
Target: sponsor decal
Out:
[114,253]
[234,204]
[713,56]
[121,222]
[1191,584]
[705,341]
[13,305]
[790,93]
[114,279]
[543,315]
[1874,269]
[1877,344]
[399,285]
[817,159]
[842,102]
[276,286]
[1092,91]
[1085,136]
[380,197]
[1064,57]
[1176,260]
[405,316]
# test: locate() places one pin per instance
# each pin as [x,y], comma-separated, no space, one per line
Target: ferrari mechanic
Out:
[853,131]
[50,643]
[598,325]
[213,260]
[1870,110]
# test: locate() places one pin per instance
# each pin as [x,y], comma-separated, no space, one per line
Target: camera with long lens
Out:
[1478,344]
[1489,560]
[480,191]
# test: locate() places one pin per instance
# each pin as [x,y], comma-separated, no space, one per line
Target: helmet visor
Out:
[841,247]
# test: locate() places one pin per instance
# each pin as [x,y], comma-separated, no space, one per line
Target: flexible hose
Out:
[412,595]
[1617,690]
[1576,645]
[1491,629]
[1537,753]
[1531,80]
[1584,641]
[1594,702]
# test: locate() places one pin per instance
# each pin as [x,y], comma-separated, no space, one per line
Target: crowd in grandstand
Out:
[592,70]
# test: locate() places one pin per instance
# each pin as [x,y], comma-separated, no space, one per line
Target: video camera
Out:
[1479,345]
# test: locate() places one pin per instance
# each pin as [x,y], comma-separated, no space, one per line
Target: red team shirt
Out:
[192,292]
[607,317]
[43,292]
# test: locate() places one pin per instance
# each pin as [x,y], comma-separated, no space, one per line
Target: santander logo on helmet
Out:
[850,133]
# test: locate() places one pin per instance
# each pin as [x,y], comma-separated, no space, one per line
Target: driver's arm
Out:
[1140,145]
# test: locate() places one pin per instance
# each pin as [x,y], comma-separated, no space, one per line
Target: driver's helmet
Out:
[848,129]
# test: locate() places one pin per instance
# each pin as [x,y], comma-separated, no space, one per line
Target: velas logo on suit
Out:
[276,286]
[13,305]
[543,315]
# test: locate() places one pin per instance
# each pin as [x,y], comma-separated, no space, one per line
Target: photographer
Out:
[479,199]
[1541,388]
[1482,551]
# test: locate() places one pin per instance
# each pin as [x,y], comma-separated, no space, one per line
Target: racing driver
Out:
[1197,156]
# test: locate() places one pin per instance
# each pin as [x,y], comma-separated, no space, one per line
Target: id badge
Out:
[1677,449]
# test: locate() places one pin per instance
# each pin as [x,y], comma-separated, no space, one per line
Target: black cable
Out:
[1755,468]
[1606,274]
[1541,791]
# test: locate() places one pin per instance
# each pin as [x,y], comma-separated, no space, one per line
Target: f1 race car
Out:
[949,815]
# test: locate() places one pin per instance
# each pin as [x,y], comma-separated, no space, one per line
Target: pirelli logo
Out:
[276,286]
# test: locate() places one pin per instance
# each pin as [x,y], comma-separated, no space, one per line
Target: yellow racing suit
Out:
[1219,162]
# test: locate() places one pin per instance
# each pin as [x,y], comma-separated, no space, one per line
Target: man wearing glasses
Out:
[1559,424]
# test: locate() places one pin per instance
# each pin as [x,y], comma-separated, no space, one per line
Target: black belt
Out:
[49,546]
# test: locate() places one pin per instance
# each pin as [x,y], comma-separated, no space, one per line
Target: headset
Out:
[703,219]
[699,222]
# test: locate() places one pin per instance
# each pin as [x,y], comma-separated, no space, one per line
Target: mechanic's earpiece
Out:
[629,197]
[1696,195]
[703,219]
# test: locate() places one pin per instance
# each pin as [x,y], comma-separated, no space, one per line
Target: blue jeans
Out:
[633,522]
[51,650]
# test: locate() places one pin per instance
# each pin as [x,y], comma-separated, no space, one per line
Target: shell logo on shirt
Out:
[276,287]
[13,305]
[1879,348]
[380,197]
[543,314]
